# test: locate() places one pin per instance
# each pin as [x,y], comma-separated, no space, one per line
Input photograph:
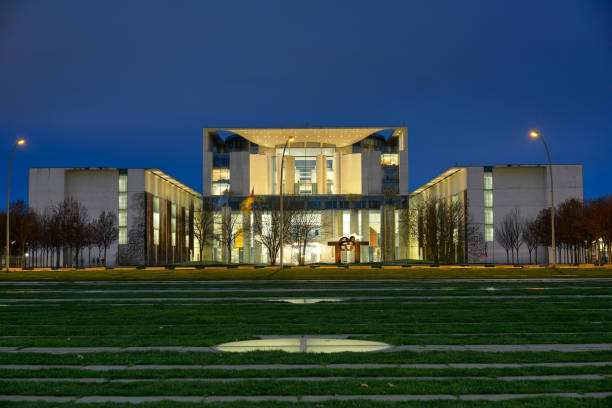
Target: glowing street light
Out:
[282,221]
[536,135]
[8,183]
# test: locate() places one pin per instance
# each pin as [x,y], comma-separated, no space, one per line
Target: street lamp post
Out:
[535,134]
[282,216]
[8,184]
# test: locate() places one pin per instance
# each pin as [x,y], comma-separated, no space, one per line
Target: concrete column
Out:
[246,238]
[289,187]
[207,161]
[355,221]
[387,221]
[321,174]
[365,235]
[337,166]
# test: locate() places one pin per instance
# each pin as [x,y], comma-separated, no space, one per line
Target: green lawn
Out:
[307,272]
[40,312]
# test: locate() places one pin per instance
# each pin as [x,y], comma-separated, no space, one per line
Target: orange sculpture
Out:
[347,244]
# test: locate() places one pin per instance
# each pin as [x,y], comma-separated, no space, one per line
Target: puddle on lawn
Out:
[304,301]
[305,345]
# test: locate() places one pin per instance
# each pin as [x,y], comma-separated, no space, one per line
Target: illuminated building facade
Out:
[355,180]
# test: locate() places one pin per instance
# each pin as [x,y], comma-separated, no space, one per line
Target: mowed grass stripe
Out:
[267,387]
[545,401]
[277,357]
[170,339]
[321,372]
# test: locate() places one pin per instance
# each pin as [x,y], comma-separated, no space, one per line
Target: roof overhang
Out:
[338,136]
[436,180]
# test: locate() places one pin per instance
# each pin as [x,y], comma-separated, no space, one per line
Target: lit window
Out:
[488,180]
[123,182]
[346,223]
[156,220]
[488,215]
[488,198]
[123,201]
[123,205]
[173,224]
[489,233]
[122,236]
[186,228]
[122,218]
[389,159]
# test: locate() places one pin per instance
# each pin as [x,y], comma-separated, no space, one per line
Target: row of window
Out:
[123,206]
[488,204]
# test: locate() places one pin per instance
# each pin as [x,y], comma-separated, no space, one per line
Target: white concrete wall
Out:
[404,187]
[258,171]
[239,173]
[523,187]
[46,187]
[351,173]
[97,189]
[371,172]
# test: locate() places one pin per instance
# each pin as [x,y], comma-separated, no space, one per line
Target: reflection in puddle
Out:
[305,345]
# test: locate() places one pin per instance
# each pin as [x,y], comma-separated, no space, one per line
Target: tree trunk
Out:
[507,256]
[105,256]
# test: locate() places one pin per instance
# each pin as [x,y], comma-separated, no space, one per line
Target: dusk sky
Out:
[132,83]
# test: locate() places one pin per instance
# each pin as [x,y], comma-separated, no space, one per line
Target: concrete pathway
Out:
[265,298]
[314,379]
[238,367]
[442,347]
[304,398]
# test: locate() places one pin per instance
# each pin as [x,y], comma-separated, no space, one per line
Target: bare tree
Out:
[444,230]
[267,223]
[229,233]
[106,230]
[23,223]
[76,227]
[302,231]
[529,230]
[203,226]
[508,233]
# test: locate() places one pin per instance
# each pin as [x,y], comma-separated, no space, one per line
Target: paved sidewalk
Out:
[294,366]
[304,398]
[313,379]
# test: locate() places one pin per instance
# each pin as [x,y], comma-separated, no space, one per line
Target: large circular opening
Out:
[304,345]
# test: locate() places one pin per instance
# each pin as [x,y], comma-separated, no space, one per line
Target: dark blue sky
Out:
[131,84]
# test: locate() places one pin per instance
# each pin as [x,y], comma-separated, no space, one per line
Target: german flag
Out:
[248,202]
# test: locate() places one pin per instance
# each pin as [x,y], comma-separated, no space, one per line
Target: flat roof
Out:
[339,136]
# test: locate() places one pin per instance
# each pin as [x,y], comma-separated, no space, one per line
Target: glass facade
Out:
[173,224]
[156,220]
[306,168]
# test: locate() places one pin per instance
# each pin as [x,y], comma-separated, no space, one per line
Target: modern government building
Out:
[354,180]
